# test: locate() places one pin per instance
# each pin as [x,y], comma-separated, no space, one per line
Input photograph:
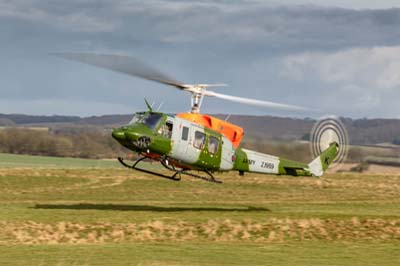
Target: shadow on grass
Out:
[120,207]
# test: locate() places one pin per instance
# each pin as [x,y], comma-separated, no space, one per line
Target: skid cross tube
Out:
[172,168]
[210,178]
[121,160]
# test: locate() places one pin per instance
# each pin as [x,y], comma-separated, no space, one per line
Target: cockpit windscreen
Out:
[149,119]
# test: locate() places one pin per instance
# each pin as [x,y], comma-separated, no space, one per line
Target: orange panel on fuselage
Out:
[233,132]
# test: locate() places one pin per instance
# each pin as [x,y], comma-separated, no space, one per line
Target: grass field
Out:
[27,161]
[84,212]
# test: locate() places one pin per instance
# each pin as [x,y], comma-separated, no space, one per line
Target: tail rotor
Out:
[326,131]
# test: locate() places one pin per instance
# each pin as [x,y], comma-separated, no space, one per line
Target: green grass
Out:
[28,161]
[157,254]
[95,215]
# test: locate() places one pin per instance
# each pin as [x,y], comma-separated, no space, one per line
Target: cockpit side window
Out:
[166,129]
[169,127]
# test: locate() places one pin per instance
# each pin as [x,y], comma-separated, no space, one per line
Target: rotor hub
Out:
[198,92]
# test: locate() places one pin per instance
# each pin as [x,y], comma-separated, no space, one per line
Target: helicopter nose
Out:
[132,135]
[118,134]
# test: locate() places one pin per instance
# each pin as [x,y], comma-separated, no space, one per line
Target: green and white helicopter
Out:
[190,143]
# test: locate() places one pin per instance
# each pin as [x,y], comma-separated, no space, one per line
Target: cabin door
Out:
[183,148]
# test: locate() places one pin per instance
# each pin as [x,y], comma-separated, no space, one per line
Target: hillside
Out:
[361,131]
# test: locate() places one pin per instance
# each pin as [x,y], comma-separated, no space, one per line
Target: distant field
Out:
[84,213]
[28,161]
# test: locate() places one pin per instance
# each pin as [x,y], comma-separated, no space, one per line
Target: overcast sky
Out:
[340,57]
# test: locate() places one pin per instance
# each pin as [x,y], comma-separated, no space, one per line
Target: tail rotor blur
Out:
[326,131]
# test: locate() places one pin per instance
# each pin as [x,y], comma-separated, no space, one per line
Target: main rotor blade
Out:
[257,102]
[123,64]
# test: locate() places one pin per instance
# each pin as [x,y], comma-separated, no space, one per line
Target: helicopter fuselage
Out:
[182,142]
[189,145]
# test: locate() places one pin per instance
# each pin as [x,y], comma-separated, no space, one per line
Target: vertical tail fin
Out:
[319,165]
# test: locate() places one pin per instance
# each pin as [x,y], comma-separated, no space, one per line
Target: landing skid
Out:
[176,176]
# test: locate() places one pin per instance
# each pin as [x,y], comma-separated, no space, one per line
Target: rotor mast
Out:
[196,101]
[198,92]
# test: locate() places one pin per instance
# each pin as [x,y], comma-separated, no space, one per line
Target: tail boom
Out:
[252,161]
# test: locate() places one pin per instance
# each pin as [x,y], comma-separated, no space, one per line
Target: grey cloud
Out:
[359,80]
[216,22]
[241,43]
[72,16]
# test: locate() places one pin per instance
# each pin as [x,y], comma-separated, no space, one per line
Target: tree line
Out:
[97,143]
[47,143]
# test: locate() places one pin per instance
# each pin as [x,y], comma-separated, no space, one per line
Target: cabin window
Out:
[213,143]
[199,140]
[185,133]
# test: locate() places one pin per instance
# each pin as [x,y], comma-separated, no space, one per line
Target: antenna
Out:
[159,107]
[148,105]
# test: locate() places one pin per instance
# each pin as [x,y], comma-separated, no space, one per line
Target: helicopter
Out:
[195,144]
